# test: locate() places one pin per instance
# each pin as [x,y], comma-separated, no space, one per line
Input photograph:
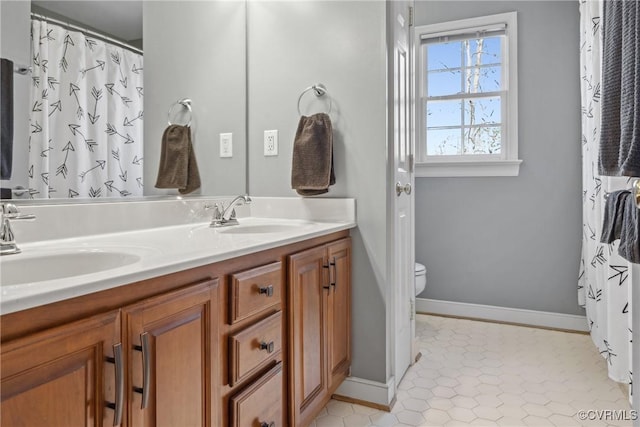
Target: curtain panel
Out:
[604,285]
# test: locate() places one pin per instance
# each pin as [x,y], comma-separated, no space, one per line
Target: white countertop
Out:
[161,250]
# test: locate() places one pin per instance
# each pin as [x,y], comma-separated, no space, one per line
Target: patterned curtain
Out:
[604,287]
[86,116]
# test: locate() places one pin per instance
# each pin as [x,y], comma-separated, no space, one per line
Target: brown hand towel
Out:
[312,165]
[178,167]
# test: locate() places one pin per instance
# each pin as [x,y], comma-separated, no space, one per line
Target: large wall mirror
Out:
[107,77]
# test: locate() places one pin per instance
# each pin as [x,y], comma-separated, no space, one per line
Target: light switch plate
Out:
[226,145]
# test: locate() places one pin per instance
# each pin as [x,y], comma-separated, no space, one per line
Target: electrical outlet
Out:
[226,145]
[270,142]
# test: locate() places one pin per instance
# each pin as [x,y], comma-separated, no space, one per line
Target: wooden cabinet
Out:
[88,373]
[62,376]
[264,345]
[254,337]
[319,326]
[170,358]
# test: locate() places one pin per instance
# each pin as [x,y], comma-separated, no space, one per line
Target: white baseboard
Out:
[503,314]
[368,391]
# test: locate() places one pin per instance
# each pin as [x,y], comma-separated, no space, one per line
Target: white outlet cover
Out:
[271,142]
[226,145]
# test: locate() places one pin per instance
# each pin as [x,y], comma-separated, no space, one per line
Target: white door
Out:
[403,236]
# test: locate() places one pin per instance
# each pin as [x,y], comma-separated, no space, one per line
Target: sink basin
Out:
[264,226]
[259,228]
[26,268]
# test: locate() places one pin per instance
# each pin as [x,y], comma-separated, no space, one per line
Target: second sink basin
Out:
[254,226]
[29,268]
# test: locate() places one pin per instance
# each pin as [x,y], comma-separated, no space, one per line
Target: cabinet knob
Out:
[266,290]
[266,424]
[268,346]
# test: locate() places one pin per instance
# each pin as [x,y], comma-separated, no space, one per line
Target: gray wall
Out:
[199,55]
[514,241]
[15,45]
[293,45]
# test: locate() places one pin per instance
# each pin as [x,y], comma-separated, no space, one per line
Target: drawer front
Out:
[261,403]
[255,290]
[254,347]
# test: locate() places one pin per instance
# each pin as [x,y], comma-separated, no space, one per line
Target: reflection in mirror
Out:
[85,122]
[86,127]
[200,55]
[85,92]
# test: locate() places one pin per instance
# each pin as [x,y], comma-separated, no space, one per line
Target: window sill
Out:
[469,168]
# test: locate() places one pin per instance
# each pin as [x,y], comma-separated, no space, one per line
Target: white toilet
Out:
[421,278]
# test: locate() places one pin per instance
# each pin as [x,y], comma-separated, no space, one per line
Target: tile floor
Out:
[486,374]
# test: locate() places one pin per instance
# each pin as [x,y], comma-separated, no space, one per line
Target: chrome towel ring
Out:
[635,190]
[184,103]
[320,90]
[22,69]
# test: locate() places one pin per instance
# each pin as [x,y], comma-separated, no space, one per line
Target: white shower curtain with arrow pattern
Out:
[604,287]
[86,116]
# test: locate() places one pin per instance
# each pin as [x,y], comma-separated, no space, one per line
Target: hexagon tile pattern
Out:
[487,374]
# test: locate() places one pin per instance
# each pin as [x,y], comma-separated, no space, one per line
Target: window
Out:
[467,97]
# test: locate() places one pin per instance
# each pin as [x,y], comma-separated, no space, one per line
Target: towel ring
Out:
[185,103]
[22,69]
[319,91]
[635,190]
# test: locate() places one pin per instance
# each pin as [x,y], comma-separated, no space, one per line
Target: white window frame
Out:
[507,162]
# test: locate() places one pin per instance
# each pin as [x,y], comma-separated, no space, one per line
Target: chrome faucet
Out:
[223,217]
[8,244]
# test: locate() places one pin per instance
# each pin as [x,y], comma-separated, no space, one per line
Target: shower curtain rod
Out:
[86,31]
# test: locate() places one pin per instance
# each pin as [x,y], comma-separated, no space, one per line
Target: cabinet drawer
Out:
[254,347]
[261,403]
[255,290]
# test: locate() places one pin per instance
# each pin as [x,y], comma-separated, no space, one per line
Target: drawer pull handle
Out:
[146,369]
[267,290]
[119,403]
[269,346]
[266,424]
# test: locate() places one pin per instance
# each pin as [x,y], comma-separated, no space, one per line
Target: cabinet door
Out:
[62,377]
[339,313]
[171,358]
[307,350]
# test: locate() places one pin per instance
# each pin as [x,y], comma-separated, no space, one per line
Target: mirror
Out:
[197,53]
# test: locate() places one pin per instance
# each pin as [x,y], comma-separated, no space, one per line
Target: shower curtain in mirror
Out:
[604,287]
[85,118]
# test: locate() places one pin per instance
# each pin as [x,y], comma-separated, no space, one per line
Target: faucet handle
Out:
[10,211]
[8,244]
[218,208]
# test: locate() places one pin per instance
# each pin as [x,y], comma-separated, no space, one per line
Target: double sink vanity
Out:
[142,314]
